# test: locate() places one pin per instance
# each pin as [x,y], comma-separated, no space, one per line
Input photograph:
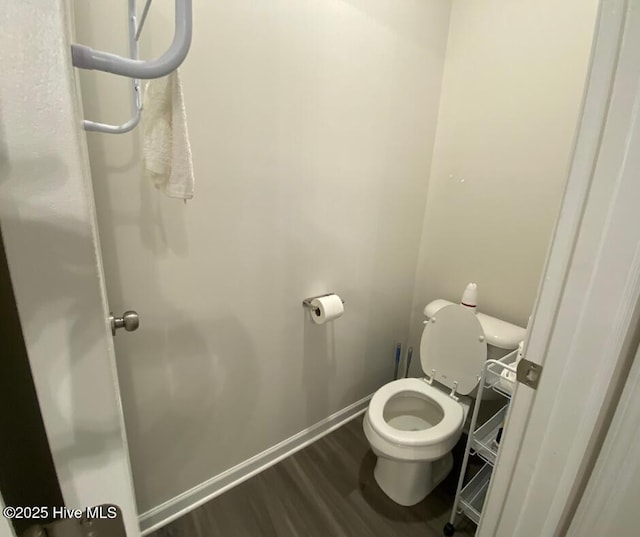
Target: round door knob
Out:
[130,321]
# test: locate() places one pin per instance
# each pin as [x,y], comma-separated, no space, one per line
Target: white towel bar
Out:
[85,57]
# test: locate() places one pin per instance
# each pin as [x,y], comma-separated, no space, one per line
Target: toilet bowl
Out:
[412,424]
[412,427]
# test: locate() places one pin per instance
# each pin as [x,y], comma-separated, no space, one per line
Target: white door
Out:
[586,312]
[48,222]
[5,526]
[48,225]
[610,500]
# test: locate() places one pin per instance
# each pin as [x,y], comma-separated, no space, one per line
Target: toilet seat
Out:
[449,425]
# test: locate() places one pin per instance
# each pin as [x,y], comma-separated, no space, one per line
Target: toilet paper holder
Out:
[307,302]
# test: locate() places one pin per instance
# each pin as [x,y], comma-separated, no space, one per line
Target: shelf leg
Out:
[467,449]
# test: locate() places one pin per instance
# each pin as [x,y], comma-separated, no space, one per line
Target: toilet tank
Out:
[502,337]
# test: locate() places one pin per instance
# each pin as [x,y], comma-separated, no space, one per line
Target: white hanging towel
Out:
[166,147]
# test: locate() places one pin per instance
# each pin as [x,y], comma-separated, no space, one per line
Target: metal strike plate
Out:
[528,373]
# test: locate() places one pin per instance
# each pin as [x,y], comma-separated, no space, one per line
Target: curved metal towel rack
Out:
[85,57]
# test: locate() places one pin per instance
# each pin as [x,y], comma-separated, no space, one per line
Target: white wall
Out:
[513,84]
[312,126]
[48,226]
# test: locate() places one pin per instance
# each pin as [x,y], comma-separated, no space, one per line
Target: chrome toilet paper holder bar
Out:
[307,302]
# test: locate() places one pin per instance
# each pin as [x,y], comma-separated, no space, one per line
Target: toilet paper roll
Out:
[326,308]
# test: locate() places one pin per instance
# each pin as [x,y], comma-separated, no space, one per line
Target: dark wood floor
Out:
[324,490]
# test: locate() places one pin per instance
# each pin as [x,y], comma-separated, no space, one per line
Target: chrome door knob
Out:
[129,321]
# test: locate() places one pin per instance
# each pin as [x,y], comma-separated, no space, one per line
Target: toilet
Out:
[412,424]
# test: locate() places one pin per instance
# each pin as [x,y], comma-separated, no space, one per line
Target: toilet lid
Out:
[453,344]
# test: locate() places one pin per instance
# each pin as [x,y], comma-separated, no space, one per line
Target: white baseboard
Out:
[187,501]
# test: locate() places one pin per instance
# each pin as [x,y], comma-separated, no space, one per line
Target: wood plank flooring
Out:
[324,490]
